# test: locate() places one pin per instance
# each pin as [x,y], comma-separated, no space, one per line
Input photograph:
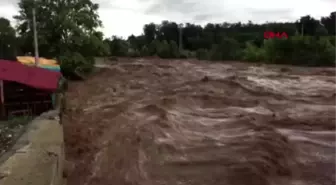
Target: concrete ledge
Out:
[37,157]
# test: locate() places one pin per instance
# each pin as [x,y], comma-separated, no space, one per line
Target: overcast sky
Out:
[126,17]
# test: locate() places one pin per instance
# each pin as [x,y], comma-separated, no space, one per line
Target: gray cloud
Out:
[5,2]
[272,14]
[199,11]
[330,1]
[202,17]
[8,2]
[184,10]
[102,3]
[258,12]
[213,10]
[170,6]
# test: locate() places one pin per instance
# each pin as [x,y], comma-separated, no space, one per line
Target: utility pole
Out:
[35,37]
[180,37]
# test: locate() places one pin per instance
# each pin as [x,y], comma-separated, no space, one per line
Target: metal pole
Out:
[35,38]
[180,37]
[2,100]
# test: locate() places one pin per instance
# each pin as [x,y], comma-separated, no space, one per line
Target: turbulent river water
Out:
[160,122]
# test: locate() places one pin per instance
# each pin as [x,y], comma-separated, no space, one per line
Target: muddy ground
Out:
[161,122]
[10,131]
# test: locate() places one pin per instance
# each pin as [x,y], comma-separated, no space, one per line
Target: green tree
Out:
[308,25]
[64,27]
[329,23]
[8,40]
[118,46]
[70,28]
[150,32]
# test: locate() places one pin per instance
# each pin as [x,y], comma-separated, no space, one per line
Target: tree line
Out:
[308,41]
[67,31]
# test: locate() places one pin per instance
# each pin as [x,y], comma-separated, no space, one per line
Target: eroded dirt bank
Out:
[159,122]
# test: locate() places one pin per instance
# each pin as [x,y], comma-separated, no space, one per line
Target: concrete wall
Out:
[38,156]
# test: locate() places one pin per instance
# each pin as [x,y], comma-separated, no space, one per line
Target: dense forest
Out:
[68,31]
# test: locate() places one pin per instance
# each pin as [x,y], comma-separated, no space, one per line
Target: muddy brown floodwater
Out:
[161,122]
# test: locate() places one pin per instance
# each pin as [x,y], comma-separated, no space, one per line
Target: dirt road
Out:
[160,122]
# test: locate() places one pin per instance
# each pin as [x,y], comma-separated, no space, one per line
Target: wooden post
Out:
[2,100]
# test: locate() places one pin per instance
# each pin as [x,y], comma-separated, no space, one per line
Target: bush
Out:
[113,58]
[295,50]
[153,47]
[298,50]
[253,53]
[215,53]
[278,51]
[118,47]
[75,66]
[144,51]
[174,50]
[163,50]
[229,49]
[184,55]
[133,53]
[202,54]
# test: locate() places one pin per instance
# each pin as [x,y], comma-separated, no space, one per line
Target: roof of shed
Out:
[29,75]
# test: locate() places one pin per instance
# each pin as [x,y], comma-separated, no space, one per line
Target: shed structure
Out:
[26,90]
